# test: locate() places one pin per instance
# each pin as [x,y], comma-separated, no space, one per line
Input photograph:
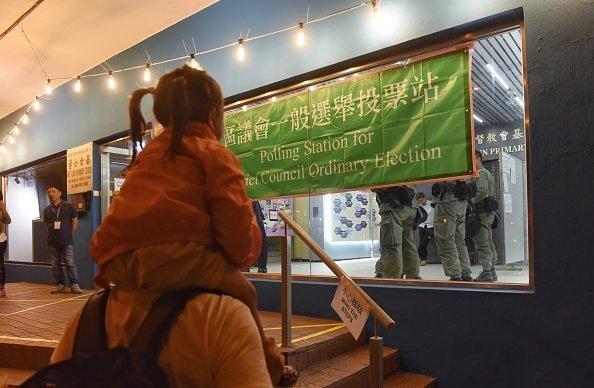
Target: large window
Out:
[346,223]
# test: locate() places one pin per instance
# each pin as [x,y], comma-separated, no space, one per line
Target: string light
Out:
[48,87]
[16,130]
[240,55]
[273,98]
[2,149]
[10,139]
[375,6]
[111,81]
[244,108]
[311,88]
[301,35]
[194,63]
[240,50]
[77,85]
[147,73]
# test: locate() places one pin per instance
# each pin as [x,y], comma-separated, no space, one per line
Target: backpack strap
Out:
[90,334]
[154,329]
[91,337]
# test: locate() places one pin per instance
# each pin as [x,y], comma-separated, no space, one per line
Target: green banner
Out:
[401,125]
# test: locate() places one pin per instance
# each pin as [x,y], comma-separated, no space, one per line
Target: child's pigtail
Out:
[180,111]
[137,122]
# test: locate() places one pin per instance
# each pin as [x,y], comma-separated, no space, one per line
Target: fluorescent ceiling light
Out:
[477,118]
[519,101]
[497,76]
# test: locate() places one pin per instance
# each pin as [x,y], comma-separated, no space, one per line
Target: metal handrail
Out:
[375,309]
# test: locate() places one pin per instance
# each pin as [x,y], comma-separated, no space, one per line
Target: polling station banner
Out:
[404,124]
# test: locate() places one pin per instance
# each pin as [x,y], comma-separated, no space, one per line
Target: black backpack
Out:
[94,365]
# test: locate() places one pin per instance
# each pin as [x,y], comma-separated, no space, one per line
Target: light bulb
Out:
[25,119]
[194,63]
[240,50]
[301,35]
[16,130]
[77,85]
[10,139]
[311,88]
[244,108]
[273,99]
[48,87]
[375,6]
[2,149]
[36,104]
[111,81]
[147,73]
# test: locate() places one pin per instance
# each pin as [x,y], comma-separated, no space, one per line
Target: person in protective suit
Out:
[451,200]
[485,206]
[398,212]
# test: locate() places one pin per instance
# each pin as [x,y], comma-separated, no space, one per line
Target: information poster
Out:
[79,169]
[351,216]
[274,225]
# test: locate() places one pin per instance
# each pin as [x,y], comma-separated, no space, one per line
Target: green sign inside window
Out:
[401,125]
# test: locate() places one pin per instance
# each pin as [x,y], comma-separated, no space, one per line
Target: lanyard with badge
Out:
[57,213]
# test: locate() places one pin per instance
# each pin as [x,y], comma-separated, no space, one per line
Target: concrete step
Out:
[24,356]
[402,379]
[349,369]
[14,377]
[324,348]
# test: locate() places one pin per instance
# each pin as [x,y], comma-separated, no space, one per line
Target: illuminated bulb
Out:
[240,50]
[300,35]
[356,75]
[194,62]
[77,85]
[147,73]
[25,119]
[311,88]
[375,6]
[111,81]
[10,139]
[48,87]
[16,130]
[2,149]
[273,99]
[244,108]
[36,104]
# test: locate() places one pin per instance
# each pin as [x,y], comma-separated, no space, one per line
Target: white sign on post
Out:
[79,169]
[350,307]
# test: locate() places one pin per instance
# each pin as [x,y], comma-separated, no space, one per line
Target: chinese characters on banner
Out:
[79,169]
[403,124]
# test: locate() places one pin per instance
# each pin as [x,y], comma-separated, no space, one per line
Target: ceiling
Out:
[73,36]
[493,103]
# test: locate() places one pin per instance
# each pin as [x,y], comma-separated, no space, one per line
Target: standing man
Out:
[61,221]
[263,257]
[4,220]
[485,207]
[450,229]
[398,253]
[425,227]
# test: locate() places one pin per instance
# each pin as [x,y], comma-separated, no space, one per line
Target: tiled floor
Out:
[364,268]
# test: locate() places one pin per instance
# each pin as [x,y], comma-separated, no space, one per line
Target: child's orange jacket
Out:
[200,196]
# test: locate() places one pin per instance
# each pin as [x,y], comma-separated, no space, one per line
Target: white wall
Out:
[21,203]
